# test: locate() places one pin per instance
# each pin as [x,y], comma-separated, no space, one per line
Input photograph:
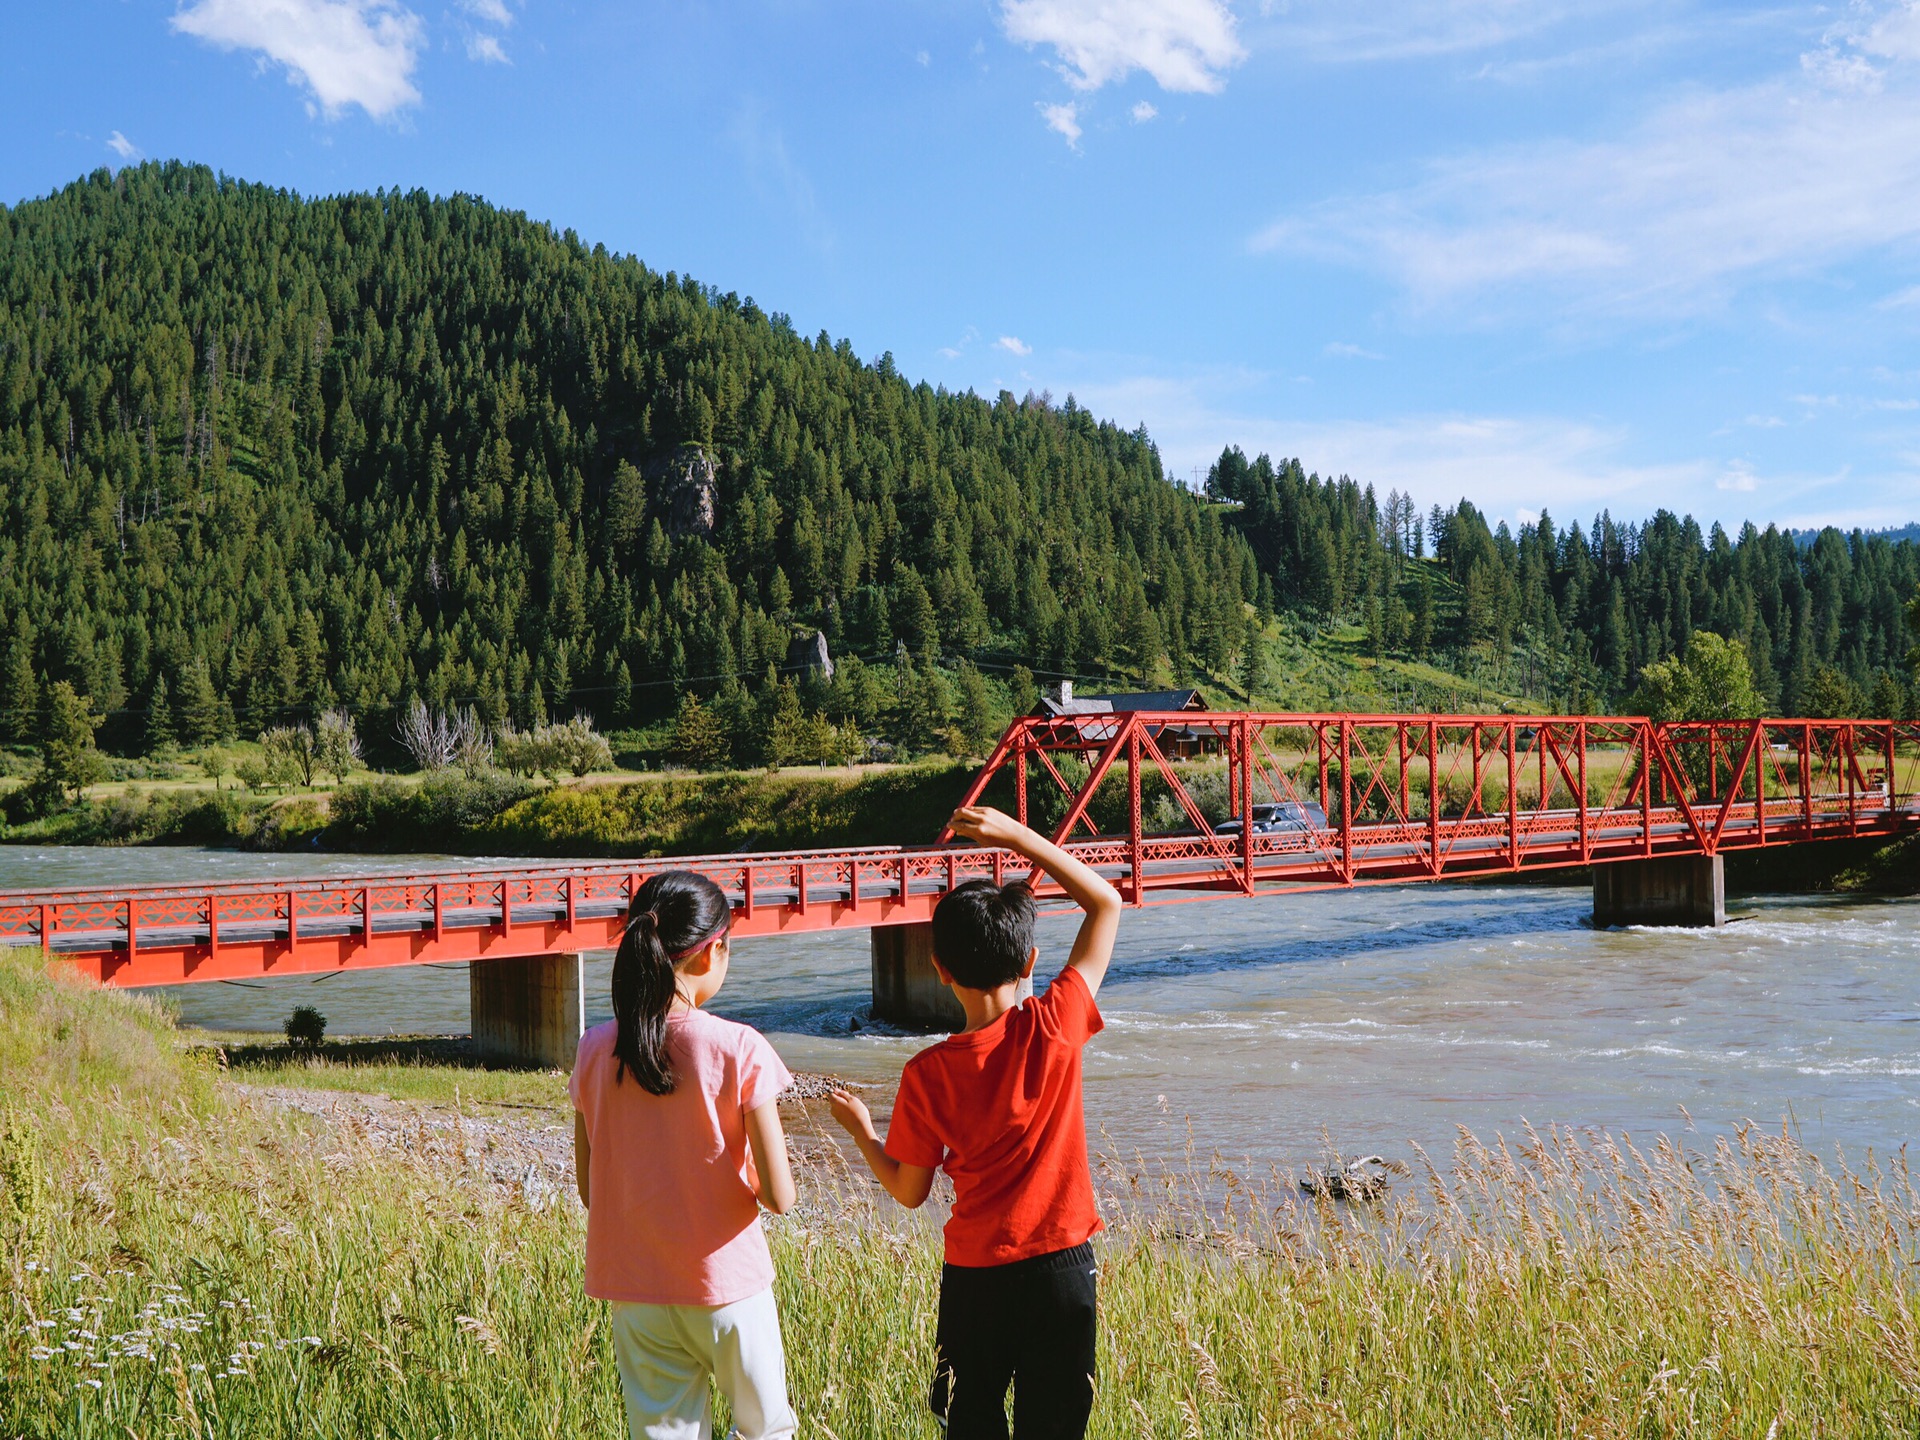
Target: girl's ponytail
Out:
[673,915]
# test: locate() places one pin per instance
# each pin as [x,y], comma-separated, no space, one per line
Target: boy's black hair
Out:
[983,932]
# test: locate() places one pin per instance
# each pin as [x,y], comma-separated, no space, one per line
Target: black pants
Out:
[1031,1324]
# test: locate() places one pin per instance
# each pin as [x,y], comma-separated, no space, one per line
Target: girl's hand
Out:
[852,1113]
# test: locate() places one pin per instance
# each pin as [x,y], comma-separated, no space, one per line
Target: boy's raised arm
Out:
[1093,946]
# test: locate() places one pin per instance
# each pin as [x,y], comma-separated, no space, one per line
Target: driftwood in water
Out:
[1364,1179]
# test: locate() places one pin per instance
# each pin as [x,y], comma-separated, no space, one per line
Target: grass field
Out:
[181,1259]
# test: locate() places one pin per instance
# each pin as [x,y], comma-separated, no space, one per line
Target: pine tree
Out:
[785,740]
[67,756]
[19,690]
[914,618]
[1423,616]
[1023,693]
[699,735]
[978,723]
[197,715]
[159,717]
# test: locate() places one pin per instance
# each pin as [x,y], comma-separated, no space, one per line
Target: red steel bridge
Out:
[1148,798]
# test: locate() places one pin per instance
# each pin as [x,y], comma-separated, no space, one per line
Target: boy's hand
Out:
[1093,946]
[852,1113]
[988,826]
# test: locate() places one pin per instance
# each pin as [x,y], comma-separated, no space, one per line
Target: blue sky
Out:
[1559,255]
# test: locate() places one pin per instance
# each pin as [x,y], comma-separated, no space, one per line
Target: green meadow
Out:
[181,1257]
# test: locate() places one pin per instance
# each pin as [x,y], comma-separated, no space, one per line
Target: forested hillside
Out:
[260,455]
[1574,615]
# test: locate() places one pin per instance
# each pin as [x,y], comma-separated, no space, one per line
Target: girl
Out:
[676,1146]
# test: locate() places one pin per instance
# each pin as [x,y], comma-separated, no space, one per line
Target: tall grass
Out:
[180,1261]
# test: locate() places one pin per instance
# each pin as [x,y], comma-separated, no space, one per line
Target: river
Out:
[1382,1017]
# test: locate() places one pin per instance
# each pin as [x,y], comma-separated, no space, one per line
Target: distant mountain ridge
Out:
[1893,534]
[262,455]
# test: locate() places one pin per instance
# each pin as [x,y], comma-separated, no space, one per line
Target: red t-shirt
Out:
[999,1110]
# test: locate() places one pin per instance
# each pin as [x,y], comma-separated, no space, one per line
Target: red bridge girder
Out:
[1404,798]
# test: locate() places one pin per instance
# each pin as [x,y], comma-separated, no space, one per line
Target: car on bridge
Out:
[1278,819]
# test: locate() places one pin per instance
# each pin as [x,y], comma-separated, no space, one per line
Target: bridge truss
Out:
[1166,804]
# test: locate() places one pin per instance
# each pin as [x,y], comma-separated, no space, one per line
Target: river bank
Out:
[500,815]
[185,1253]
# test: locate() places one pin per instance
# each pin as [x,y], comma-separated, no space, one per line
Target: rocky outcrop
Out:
[686,487]
[809,655]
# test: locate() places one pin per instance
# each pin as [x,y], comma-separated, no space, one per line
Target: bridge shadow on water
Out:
[1442,917]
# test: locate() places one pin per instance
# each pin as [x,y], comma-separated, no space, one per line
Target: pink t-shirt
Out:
[671,1213]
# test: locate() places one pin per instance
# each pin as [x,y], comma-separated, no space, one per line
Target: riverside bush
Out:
[441,810]
[182,1259]
[712,814]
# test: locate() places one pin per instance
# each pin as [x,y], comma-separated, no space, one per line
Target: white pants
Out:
[666,1353]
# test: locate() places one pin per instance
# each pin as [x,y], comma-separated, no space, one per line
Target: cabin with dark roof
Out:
[1178,741]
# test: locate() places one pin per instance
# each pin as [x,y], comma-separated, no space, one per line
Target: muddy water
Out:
[1382,1017]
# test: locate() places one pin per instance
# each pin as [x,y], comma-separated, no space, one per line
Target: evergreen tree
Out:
[699,735]
[914,618]
[68,759]
[1831,695]
[19,690]
[197,714]
[1889,698]
[159,717]
[1423,614]
[786,727]
[978,723]
[1022,692]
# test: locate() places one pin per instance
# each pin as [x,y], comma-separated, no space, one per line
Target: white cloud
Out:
[347,52]
[923,59]
[1014,345]
[780,181]
[1143,111]
[1739,477]
[1340,32]
[1507,465]
[1063,118]
[1342,350]
[1185,45]
[493,12]
[123,147]
[1707,192]
[959,347]
[487,50]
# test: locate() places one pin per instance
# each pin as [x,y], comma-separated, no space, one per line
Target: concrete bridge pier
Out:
[1686,890]
[906,989]
[528,1010]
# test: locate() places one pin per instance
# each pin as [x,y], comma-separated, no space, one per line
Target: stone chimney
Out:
[1066,692]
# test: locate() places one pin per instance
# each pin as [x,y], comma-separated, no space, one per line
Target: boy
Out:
[997,1106]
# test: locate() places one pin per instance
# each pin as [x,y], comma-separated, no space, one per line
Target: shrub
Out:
[452,801]
[385,815]
[36,800]
[581,748]
[306,1027]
